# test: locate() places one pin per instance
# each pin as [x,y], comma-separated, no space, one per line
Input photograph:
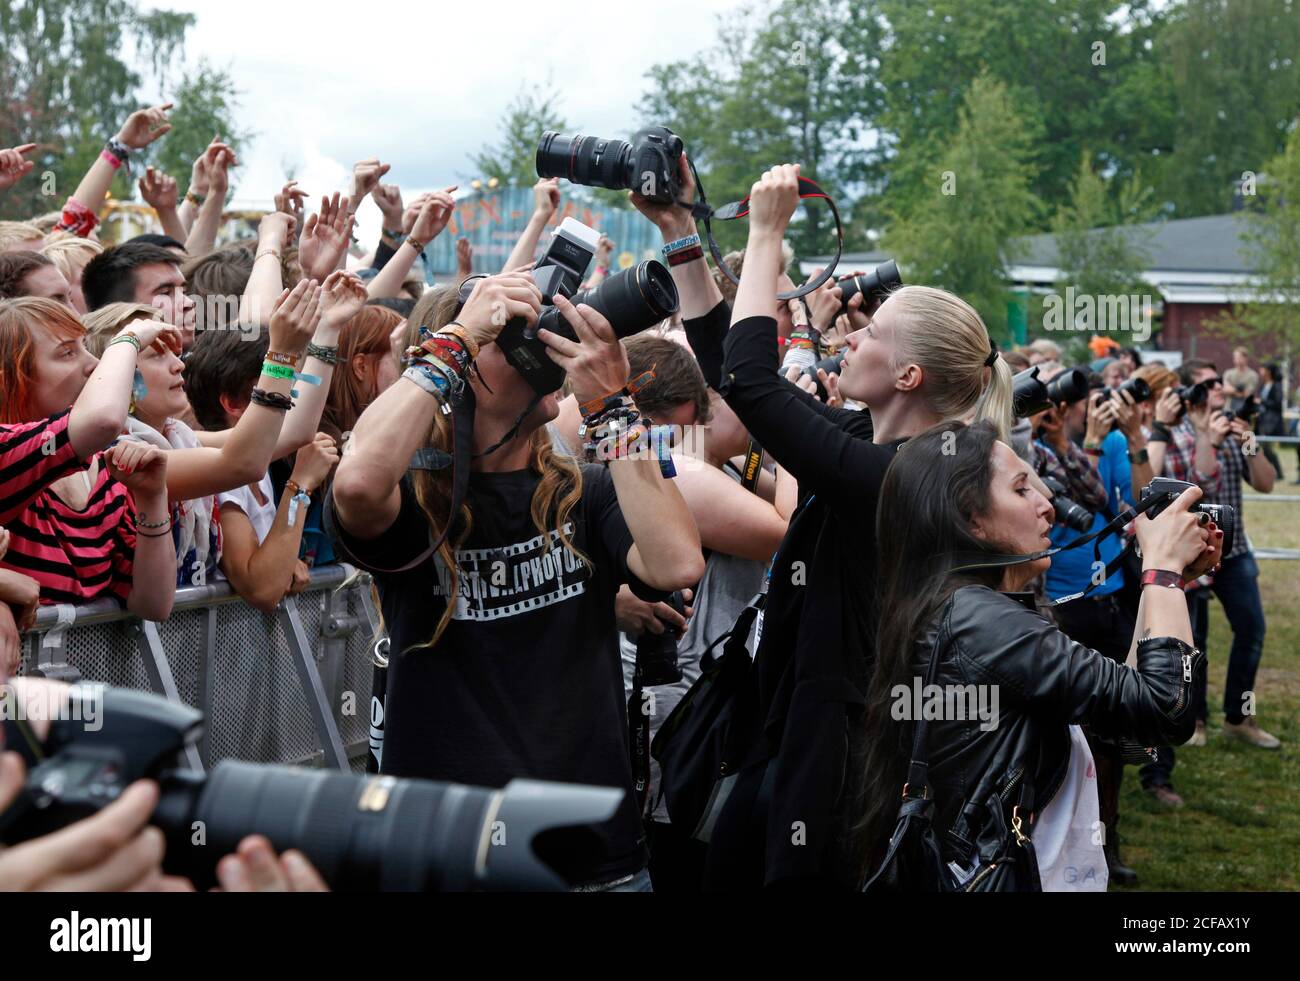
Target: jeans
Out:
[1236,585]
[640,882]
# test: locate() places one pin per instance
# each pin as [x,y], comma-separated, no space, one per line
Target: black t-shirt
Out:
[526,681]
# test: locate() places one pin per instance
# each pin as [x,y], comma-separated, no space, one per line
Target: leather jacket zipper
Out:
[1182,689]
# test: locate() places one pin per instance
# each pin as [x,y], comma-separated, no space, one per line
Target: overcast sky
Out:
[423,85]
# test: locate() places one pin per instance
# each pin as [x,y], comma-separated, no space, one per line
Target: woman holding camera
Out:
[955,497]
[924,356]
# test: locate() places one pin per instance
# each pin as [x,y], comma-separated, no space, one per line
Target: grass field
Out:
[1240,828]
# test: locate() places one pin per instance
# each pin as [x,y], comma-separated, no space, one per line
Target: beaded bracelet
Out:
[271,400]
[195,198]
[329,355]
[164,523]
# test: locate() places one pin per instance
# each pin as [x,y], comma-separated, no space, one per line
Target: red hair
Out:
[366,333]
[18,318]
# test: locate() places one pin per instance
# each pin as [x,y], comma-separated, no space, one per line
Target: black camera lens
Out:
[586,160]
[1069,387]
[1136,387]
[874,285]
[1069,513]
[656,654]
[631,300]
[1030,395]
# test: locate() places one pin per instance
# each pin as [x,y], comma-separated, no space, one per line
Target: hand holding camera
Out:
[1218,427]
[672,220]
[497,300]
[1177,538]
[596,363]
[1169,408]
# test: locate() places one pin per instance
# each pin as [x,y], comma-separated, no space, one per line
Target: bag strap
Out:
[918,769]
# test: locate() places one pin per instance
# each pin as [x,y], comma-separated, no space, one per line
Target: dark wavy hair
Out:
[936,484]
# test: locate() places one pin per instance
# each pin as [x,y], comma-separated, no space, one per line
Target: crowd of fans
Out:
[173,413]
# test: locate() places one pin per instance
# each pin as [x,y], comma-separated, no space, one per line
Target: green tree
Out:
[790,82]
[512,160]
[1272,240]
[959,234]
[67,84]
[1081,73]
[206,100]
[1236,74]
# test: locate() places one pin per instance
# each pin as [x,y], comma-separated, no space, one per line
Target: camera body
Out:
[875,285]
[1068,512]
[363,833]
[631,300]
[1246,413]
[1031,396]
[650,164]
[656,654]
[1167,488]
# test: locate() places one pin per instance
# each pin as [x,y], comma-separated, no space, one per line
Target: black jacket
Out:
[787,818]
[1045,681]
[1270,410]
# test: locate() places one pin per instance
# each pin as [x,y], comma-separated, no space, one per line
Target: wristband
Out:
[301,498]
[115,153]
[1092,450]
[279,357]
[195,198]
[685,256]
[603,403]
[1162,577]
[1141,456]
[686,242]
[273,370]
[109,159]
[271,400]
[456,329]
[125,339]
[164,523]
[431,380]
[1160,433]
[328,355]
[397,237]
[603,270]
[415,244]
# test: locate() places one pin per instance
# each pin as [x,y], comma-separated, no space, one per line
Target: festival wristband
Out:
[1162,577]
[273,370]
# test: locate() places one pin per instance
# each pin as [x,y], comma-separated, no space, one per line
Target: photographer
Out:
[952,495]
[506,656]
[1203,446]
[925,356]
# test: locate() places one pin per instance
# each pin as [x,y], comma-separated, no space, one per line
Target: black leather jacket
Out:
[1044,681]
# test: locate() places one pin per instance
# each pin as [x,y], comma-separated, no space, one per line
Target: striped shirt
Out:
[76,556]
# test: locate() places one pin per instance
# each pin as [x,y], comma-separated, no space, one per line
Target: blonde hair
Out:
[47,222]
[104,323]
[14,233]
[943,334]
[1048,349]
[70,253]
[553,501]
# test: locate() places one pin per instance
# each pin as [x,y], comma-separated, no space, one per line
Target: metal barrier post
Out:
[327,730]
[162,682]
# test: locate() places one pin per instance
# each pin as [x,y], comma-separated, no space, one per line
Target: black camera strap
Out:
[808,188]
[753,468]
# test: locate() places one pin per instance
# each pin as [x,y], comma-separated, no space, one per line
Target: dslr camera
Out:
[1030,396]
[656,654]
[1069,513]
[1168,489]
[1248,410]
[649,165]
[1136,387]
[876,285]
[364,833]
[631,300]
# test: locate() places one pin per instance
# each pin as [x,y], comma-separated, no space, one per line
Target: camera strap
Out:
[808,188]
[753,468]
[974,560]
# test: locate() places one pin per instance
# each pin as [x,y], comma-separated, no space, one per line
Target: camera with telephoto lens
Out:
[1069,513]
[631,300]
[1136,387]
[656,654]
[1246,412]
[1194,396]
[874,286]
[1222,515]
[1030,395]
[649,165]
[364,833]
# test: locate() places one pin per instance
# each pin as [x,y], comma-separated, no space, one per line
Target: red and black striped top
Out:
[76,556]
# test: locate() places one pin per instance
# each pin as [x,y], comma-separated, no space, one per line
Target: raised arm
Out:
[367,498]
[14,165]
[428,225]
[546,199]
[324,240]
[140,129]
[203,233]
[143,469]
[159,192]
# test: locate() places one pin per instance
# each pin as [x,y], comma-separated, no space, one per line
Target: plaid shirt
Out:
[1075,473]
[1224,487]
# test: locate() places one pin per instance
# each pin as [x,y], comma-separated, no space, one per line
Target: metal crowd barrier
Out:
[291,686]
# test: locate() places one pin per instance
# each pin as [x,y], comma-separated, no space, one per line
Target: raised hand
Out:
[388,198]
[219,164]
[496,300]
[412,212]
[291,201]
[773,198]
[672,220]
[150,332]
[203,162]
[313,462]
[144,126]
[365,176]
[295,317]
[464,259]
[343,294]
[13,166]
[275,230]
[604,248]
[158,190]
[546,196]
[325,238]
[433,217]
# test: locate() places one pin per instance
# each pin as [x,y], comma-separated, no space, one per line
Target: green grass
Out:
[1240,828]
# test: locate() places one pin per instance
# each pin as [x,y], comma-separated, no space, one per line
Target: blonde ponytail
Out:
[945,336]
